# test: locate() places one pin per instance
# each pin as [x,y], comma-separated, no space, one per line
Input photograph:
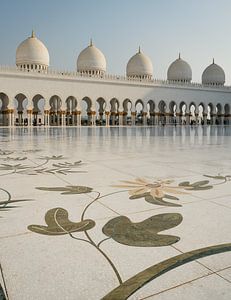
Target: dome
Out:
[179,70]
[140,66]
[91,61]
[32,54]
[214,75]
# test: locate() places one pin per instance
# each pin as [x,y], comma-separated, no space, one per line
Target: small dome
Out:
[140,66]
[32,54]
[213,75]
[179,70]
[91,61]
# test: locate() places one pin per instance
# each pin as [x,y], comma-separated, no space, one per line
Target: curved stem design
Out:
[93,243]
[136,282]
[9,197]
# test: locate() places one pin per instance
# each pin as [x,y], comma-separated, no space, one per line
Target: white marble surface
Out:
[42,267]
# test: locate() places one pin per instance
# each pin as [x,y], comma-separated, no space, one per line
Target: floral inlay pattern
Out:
[146,233]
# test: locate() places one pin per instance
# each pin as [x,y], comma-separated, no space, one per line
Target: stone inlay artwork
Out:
[149,232]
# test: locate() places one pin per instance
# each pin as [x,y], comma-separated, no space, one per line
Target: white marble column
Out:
[107,113]
[93,113]
[133,116]
[29,116]
[145,118]
[121,118]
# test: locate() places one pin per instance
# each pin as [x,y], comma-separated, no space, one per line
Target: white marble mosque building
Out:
[31,93]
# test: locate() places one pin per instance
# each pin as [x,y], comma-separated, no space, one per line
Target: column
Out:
[205,118]
[133,116]
[63,116]
[100,118]
[93,113]
[107,113]
[46,114]
[156,118]
[11,121]
[196,116]
[187,116]
[167,118]
[152,118]
[121,118]
[113,115]
[78,115]
[29,116]
[221,119]
[144,114]
[125,121]
[213,118]
[178,119]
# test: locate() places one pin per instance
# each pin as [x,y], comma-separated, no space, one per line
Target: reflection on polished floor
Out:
[115,213]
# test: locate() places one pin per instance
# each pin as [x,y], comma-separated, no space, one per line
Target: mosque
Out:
[32,94]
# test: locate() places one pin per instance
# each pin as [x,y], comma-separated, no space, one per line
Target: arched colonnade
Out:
[72,111]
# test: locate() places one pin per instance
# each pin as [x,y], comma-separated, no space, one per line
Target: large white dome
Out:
[32,54]
[213,75]
[179,70]
[139,66]
[91,61]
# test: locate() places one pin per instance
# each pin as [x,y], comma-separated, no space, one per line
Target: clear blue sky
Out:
[199,29]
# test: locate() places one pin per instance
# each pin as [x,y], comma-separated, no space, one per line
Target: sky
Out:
[199,29]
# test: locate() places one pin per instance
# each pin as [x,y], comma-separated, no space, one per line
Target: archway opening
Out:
[227,114]
[162,113]
[127,110]
[100,112]
[114,112]
[139,107]
[38,110]
[4,115]
[192,111]
[71,105]
[86,108]
[55,111]
[20,104]
[151,112]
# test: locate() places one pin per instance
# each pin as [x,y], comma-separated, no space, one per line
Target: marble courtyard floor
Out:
[115,213]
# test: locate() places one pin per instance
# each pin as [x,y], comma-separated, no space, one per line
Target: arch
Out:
[4,116]
[55,110]
[172,112]
[202,117]
[86,111]
[162,112]
[100,111]
[151,112]
[227,114]
[127,110]
[192,113]
[211,113]
[114,111]
[71,116]
[139,107]
[20,104]
[38,103]
[218,110]
[183,114]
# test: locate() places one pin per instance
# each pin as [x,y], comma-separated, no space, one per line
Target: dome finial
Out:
[139,50]
[32,34]
[213,61]
[179,56]
[91,42]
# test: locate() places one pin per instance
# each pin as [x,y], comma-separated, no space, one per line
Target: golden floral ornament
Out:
[157,188]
